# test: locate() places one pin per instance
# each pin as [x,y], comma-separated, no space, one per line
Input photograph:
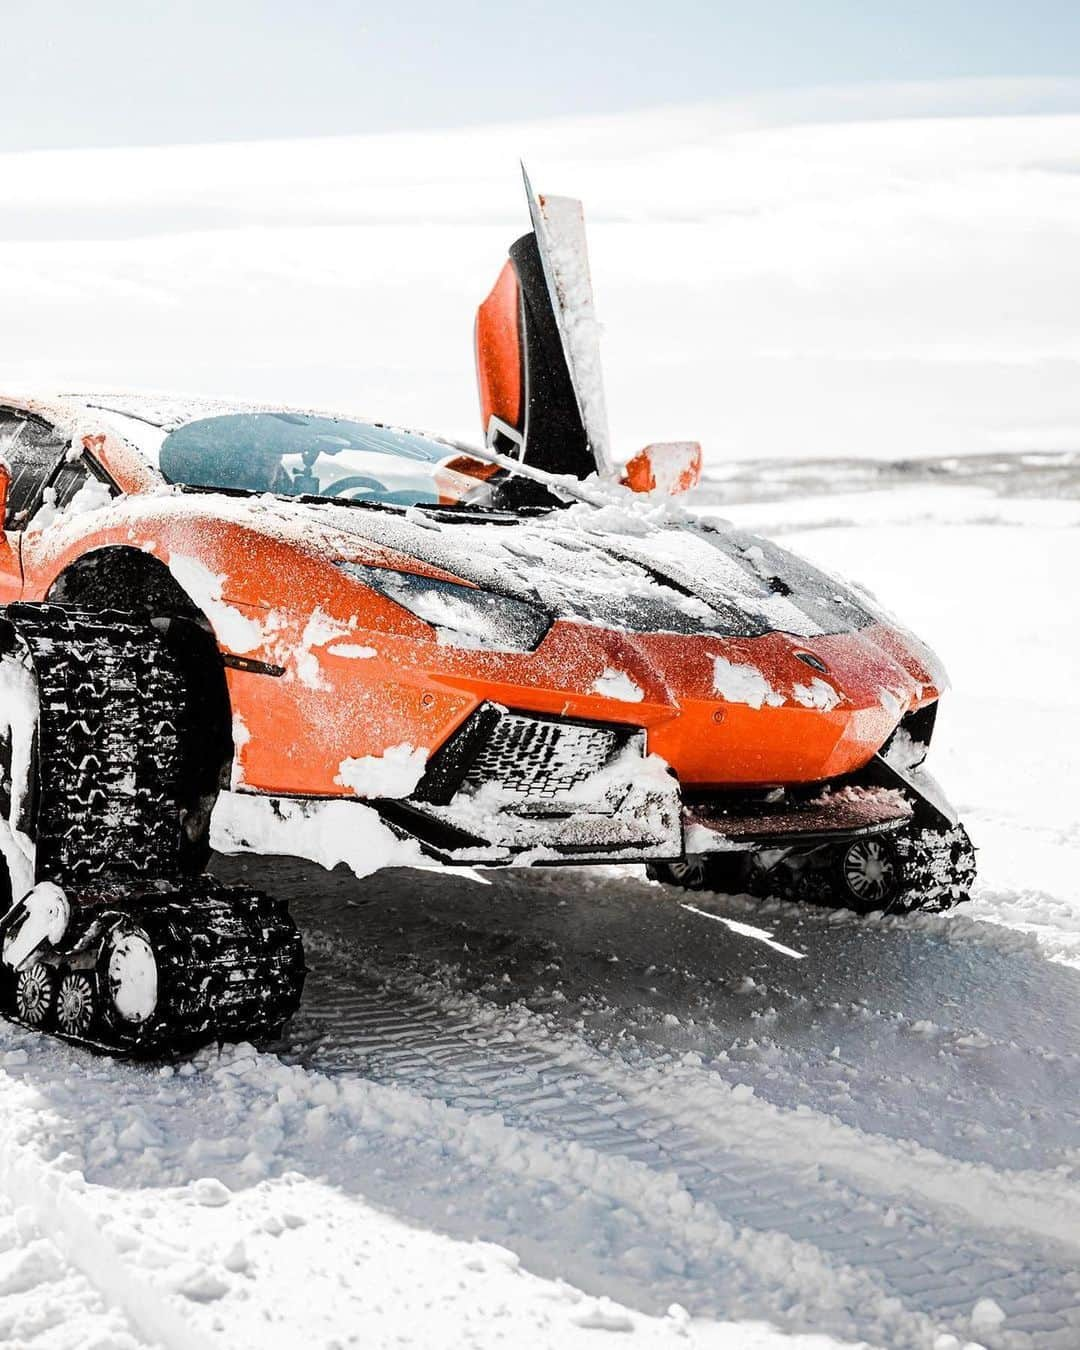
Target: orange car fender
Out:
[319,667]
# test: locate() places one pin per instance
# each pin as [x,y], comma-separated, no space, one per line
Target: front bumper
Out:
[516,788]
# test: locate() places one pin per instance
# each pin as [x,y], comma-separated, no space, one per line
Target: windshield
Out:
[298,454]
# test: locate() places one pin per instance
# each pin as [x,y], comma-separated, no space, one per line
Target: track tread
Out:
[108,829]
[109,744]
[230,963]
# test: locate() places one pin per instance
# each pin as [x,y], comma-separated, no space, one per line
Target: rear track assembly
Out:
[131,956]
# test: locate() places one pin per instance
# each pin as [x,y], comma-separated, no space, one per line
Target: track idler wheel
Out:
[35,994]
[128,974]
[869,873]
[918,867]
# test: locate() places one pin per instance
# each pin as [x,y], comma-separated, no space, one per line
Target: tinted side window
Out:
[69,478]
[10,424]
[32,451]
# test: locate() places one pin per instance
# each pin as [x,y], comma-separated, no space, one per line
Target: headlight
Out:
[461,615]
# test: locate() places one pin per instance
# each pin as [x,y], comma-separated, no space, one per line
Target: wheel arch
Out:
[120,576]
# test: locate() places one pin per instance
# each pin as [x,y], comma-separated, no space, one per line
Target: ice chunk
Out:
[394,773]
[738,683]
[326,832]
[613,683]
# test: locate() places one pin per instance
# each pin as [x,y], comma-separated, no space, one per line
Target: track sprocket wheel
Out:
[75,1004]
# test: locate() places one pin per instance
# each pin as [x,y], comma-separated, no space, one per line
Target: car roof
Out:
[170,411]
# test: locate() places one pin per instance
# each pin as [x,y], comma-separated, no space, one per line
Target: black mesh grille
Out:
[514,785]
[540,760]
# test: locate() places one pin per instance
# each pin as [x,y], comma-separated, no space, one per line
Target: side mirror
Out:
[668,467]
[5,483]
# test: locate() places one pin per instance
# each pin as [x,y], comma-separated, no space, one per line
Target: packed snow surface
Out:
[571,1106]
[394,773]
[325,832]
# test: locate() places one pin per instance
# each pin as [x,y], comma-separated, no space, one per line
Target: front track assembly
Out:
[113,946]
[923,862]
[918,867]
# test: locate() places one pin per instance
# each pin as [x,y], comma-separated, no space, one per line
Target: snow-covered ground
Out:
[565,1105]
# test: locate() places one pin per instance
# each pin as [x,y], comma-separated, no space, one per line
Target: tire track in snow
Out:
[1040,1205]
[798,1174]
[790,1281]
[907,1029]
[53,1198]
[409,1152]
[44,1300]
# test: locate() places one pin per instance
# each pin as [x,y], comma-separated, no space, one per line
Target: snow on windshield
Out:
[203,443]
[300,454]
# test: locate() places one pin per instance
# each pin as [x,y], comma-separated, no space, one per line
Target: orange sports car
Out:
[514,654]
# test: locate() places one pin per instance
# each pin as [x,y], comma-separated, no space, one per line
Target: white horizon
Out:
[888,285]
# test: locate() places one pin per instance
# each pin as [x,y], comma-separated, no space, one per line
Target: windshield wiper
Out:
[307,498]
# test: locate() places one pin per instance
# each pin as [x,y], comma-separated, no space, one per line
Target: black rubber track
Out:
[230,965]
[109,746]
[107,827]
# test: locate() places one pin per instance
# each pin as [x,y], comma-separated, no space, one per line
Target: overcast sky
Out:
[122,72]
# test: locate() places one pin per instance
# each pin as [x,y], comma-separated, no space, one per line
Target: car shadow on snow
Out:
[940,1028]
[459,1043]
